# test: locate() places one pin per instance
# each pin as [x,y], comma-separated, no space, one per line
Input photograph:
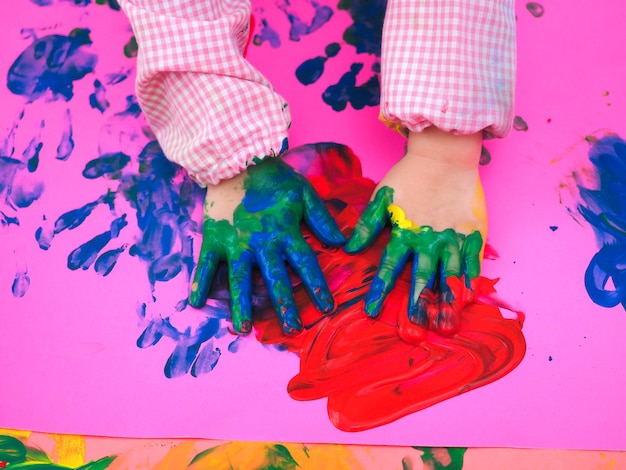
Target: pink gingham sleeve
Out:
[211,110]
[448,63]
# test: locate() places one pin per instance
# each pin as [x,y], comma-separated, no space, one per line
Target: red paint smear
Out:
[376,371]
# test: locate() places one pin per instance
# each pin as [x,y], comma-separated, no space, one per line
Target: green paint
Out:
[278,457]
[19,456]
[11,450]
[436,254]
[266,232]
[443,458]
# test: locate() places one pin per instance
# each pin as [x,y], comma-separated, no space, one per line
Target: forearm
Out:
[449,64]
[211,110]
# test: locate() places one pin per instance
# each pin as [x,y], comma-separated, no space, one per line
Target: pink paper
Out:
[69,358]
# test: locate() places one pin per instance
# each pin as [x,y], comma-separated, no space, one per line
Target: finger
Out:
[392,262]
[276,279]
[422,294]
[450,256]
[448,319]
[302,259]
[318,218]
[470,253]
[371,223]
[240,286]
[205,270]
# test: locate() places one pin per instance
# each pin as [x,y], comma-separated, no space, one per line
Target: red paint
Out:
[376,371]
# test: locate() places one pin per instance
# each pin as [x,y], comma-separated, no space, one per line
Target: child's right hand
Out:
[434,201]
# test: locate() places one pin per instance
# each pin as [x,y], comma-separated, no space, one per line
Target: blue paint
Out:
[6,220]
[299,27]
[365,33]
[605,209]
[23,196]
[194,351]
[74,218]
[21,283]
[118,77]
[234,345]
[268,34]
[113,4]
[85,255]
[332,49]
[346,91]
[66,146]
[98,99]
[107,260]
[31,154]
[52,64]
[311,70]
[109,165]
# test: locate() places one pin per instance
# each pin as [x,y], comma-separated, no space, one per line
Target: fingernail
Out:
[292,324]
[245,327]
[372,308]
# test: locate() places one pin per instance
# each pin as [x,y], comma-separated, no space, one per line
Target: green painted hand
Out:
[437,256]
[265,232]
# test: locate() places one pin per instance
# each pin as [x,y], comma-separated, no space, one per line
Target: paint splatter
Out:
[267,34]
[535,9]
[98,99]
[485,156]
[603,207]
[51,65]
[66,146]
[442,458]
[312,69]
[113,4]
[131,48]
[366,31]
[519,124]
[21,283]
[299,27]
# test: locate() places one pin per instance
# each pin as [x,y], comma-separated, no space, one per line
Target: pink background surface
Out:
[68,358]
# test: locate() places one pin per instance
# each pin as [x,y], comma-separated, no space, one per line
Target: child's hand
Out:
[254,219]
[434,201]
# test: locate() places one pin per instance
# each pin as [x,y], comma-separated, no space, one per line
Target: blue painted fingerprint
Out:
[31,153]
[109,165]
[52,64]
[206,360]
[23,196]
[299,28]
[6,220]
[310,70]
[72,219]
[107,260]
[66,146]
[98,99]
[21,283]
[346,91]
[267,34]
[85,255]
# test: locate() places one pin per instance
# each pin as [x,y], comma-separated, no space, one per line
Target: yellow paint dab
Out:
[398,217]
[69,450]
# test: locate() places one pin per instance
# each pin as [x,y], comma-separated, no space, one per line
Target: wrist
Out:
[223,198]
[458,151]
